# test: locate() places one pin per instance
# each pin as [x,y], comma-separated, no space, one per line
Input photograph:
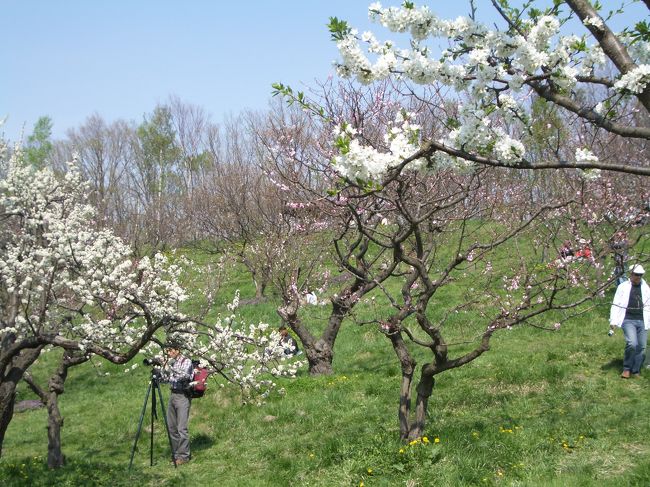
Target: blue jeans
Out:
[178,415]
[636,337]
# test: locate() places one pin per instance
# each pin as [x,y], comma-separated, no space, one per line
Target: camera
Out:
[152,362]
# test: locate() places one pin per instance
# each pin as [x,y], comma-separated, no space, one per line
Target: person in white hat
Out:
[631,312]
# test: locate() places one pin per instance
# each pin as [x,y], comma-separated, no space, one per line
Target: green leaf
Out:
[338,28]
[453,123]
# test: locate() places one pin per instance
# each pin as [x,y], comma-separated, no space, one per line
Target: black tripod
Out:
[154,385]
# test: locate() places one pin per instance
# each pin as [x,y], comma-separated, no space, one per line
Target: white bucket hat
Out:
[637,269]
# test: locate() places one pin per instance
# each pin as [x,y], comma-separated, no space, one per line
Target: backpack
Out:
[197,387]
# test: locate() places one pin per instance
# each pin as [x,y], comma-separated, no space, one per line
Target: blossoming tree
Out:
[495,73]
[452,220]
[249,356]
[500,251]
[314,232]
[65,284]
[68,285]
[433,213]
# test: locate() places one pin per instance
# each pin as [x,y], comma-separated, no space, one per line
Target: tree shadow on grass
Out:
[201,442]
[614,364]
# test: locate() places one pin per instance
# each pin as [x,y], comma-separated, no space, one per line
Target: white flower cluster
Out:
[359,162]
[247,355]
[595,21]
[64,277]
[487,67]
[635,81]
[585,155]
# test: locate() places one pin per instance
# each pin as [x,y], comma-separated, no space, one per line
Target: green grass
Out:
[539,409]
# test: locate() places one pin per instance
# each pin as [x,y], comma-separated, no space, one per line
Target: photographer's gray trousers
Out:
[178,415]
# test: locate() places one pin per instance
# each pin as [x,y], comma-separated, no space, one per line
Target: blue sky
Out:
[119,58]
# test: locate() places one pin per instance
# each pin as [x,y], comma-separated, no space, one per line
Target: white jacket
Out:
[621,298]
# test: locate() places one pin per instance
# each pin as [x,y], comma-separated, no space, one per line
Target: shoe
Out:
[181,461]
[636,376]
[624,375]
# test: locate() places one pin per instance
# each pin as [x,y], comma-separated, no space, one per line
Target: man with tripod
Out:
[177,370]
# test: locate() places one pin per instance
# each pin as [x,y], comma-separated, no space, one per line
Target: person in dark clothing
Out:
[619,246]
[566,250]
[177,370]
[290,345]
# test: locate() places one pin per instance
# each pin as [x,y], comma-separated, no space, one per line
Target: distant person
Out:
[310,298]
[566,250]
[631,312]
[584,251]
[287,342]
[619,245]
[178,370]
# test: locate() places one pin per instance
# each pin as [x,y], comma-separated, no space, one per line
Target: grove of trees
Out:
[432,186]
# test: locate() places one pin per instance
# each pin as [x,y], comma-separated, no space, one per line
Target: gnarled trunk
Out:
[55,457]
[7,401]
[56,387]
[424,390]
[319,357]
[407,365]
[260,288]
[319,351]
[8,382]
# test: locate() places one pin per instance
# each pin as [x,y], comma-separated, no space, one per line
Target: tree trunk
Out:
[8,382]
[56,387]
[424,390]
[7,401]
[320,358]
[55,457]
[260,288]
[319,351]
[407,364]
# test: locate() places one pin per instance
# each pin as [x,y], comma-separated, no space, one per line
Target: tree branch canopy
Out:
[492,78]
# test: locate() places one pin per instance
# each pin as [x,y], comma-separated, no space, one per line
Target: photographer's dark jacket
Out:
[178,373]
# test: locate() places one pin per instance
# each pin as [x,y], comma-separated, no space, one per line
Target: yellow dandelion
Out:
[401,450]
[370,471]
[436,440]
[425,439]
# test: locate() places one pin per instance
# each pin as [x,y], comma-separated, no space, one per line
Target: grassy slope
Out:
[541,408]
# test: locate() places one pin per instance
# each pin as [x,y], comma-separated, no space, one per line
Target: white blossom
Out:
[585,155]
[594,21]
[474,60]
[635,81]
